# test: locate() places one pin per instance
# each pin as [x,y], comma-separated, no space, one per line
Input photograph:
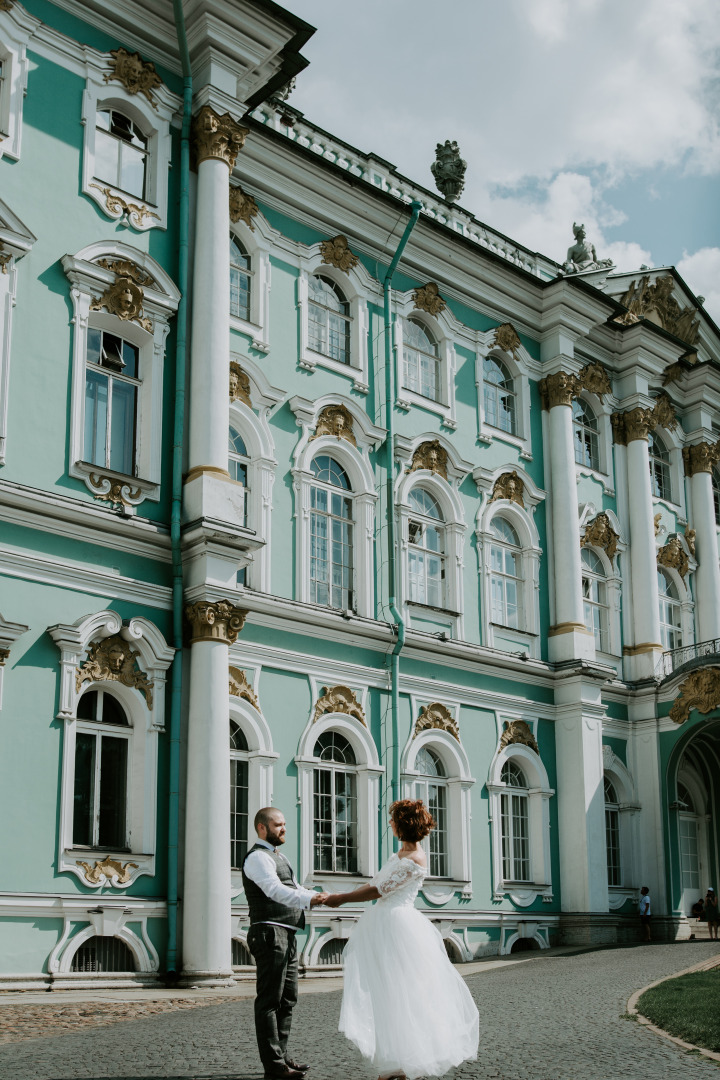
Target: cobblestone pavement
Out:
[550,1018]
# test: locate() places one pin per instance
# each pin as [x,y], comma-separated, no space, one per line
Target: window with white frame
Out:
[112,382]
[514,824]
[431,786]
[595,600]
[335,812]
[328,319]
[585,435]
[426,550]
[100,790]
[505,574]
[659,460]
[16,29]
[612,834]
[121,151]
[499,396]
[240,280]
[520,821]
[238,464]
[421,361]
[239,790]
[671,633]
[331,535]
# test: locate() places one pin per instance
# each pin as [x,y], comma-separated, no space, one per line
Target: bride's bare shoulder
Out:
[417,857]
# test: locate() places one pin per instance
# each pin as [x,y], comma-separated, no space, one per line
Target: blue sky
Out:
[601,111]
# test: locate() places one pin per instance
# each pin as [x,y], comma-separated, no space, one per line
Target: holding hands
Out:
[319,898]
[334,900]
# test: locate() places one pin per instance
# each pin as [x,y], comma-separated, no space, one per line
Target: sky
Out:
[596,111]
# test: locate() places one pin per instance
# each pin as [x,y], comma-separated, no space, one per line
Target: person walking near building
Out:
[712,913]
[645,912]
[277,906]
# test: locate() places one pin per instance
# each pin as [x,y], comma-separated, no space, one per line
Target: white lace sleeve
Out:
[400,875]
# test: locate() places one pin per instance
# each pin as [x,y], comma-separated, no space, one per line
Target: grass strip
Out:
[688,1007]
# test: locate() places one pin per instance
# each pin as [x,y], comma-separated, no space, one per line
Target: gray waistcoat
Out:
[262,908]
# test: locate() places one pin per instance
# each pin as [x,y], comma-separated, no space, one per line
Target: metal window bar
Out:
[103,954]
[672,659]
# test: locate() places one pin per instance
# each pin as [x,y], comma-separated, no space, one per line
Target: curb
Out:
[705,965]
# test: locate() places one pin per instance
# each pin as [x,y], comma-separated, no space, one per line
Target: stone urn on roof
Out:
[448,168]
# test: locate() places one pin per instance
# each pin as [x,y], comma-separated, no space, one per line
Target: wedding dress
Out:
[404,1005]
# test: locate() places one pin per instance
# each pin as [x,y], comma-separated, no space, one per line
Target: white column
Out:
[707,575]
[206,891]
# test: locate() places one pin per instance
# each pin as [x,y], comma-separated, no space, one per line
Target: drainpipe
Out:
[176,506]
[390,359]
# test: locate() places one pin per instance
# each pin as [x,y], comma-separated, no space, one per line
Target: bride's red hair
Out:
[412,819]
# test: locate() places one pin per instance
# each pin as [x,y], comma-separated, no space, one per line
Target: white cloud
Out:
[701,270]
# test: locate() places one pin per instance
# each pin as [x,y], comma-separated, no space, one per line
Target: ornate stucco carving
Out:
[518,731]
[221,621]
[700,457]
[701,691]
[335,420]
[239,384]
[117,492]
[242,207]
[432,456]
[449,168]
[600,533]
[639,422]
[136,75]
[559,389]
[690,541]
[673,373]
[113,660]
[107,872]
[338,699]
[657,304]
[507,339]
[336,252]
[509,486]
[215,137]
[6,5]
[240,687]
[657,523]
[125,299]
[595,379]
[664,413]
[437,716]
[582,255]
[128,269]
[428,299]
[674,556]
[4,654]
[116,206]
[5,256]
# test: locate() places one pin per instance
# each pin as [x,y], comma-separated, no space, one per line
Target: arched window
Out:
[595,603]
[505,574]
[612,834]
[238,462]
[328,319]
[515,829]
[331,535]
[659,467]
[498,396]
[715,480]
[238,796]
[686,799]
[241,955]
[121,151]
[101,763]
[431,787]
[240,274]
[670,612]
[112,381]
[103,954]
[585,435]
[426,551]
[332,951]
[335,805]
[421,361]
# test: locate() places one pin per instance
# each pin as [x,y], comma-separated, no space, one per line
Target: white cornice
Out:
[82,578]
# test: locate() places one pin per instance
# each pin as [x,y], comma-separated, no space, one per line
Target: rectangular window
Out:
[515,838]
[238,812]
[111,391]
[331,569]
[436,843]
[612,845]
[239,294]
[335,821]
[100,791]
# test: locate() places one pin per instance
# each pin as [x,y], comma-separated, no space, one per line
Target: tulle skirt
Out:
[404,1005]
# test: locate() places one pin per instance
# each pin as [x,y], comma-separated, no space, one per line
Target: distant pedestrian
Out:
[712,913]
[698,909]
[645,912]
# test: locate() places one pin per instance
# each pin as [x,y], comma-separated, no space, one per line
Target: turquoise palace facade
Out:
[317,491]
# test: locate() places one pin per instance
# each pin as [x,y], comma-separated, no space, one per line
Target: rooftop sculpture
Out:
[448,168]
[582,255]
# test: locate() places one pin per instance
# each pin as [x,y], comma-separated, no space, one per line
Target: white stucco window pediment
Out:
[511,423]
[441,331]
[16,241]
[16,28]
[145,715]
[258,241]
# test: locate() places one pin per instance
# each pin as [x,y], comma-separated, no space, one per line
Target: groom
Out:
[277,911]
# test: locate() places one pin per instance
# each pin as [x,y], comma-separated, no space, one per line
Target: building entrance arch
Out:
[694,796]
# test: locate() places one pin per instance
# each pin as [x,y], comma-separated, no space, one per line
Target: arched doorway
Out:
[696,789]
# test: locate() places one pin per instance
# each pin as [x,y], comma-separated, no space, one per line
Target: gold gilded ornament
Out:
[600,533]
[559,389]
[239,384]
[432,456]
[336,253]
[509,486]
[110,489]
[113,660]
[128,269]
[701,691]
[241,688]
[657,304]
[437,717]
[428,299]
[136,75]
[518,731]
[242,207]
[216,137]
[700,457]
[116,206]
[221,621]
[674,556]
[595,379]
[335,420]
[108,871]
[507,339]
[338,699]
[125,299]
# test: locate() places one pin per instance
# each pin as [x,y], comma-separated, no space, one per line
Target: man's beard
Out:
[274,839]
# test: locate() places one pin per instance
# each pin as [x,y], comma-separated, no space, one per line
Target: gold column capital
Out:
[218,137]
[559,389]
[700,457]
[221,621]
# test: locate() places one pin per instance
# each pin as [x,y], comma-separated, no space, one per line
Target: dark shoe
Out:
[295,1065]
[283,1072]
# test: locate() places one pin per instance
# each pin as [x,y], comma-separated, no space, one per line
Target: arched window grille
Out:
[331,535]
[332,951]
[101,765]
[505,574]
[238,796]
[241,955]
[112,381]
[335,805]
[659,458]
[515,830]
[670,612]
[121,152]
[103,954]
[238,463]
[499,396]
[240,278]
[612,833]
[328,319]
[585,435]
[426,550]
[595,604]
[431,787]
[421,361]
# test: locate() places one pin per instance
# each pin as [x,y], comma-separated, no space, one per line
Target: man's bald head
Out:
[270,825]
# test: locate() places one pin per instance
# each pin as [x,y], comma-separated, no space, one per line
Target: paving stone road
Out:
[551,1018]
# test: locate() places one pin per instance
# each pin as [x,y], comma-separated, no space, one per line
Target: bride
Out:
[404,1005]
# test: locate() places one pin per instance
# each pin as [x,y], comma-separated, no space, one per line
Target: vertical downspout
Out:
[176,507]
[415,207]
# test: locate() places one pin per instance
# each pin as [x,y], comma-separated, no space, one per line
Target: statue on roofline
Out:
[582,255]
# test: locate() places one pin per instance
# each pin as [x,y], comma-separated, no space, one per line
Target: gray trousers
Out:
[275,955]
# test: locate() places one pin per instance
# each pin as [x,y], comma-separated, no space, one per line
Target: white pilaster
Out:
[646,647]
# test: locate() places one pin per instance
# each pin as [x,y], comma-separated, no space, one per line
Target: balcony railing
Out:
[675,658]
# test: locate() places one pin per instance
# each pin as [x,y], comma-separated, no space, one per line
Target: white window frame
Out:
[154,657]
[16,30]
[258,244]
[519,365]
[100,730]
[613,578]
[16,241]
[154,122]
[685,604]
[356,463]
[357,287]
[539,794]
[441,330]
[628,812]
[602,414]
[90,280]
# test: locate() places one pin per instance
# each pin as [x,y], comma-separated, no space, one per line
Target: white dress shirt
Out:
[261,869]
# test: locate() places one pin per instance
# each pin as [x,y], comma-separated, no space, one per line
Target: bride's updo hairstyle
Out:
[412,819]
